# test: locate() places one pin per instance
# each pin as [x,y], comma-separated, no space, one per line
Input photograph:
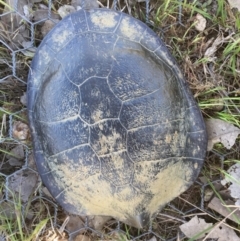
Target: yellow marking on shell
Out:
[93,194]
[196,165]
[117,161]
[97,115]
[168,138]
[195,151]
[168,184]
[107,142]
[178,139]
[34,79]
[100,20]
[153,41]
[60,38]
[44,57]
[127,29]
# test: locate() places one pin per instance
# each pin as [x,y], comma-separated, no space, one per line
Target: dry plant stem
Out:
[223,93]
[204,213]
[61,229]
[218,43]
[171,217]
[100,4]
[197,214]
[221,222]
[178,237]
[128,7]
[3,125]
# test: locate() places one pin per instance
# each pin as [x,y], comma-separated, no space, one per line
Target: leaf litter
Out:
[200,23]
[23,183]
[225,209]
[221,131]
[198,229]
[232,178]
[234,4]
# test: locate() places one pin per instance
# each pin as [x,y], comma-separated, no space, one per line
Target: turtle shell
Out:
[115,129]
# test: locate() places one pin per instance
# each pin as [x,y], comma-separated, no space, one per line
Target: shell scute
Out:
[130,29]
[62,34]
[75,133]
[128,80]
[97,101]
[99,23]
[55,83]
[79,22]
[108,136]
[43,58]
[157,142]
[117,168]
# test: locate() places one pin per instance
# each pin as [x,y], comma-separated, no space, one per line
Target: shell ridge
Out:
[89,78]
[61,64]
[102,121]
[144,95]
[64,151]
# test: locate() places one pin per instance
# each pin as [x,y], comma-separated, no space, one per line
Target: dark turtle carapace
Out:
[115,128]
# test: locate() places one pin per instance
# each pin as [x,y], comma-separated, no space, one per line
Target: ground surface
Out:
[204,37]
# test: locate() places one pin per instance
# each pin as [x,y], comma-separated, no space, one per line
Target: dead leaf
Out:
[223,233]
[81,237]
[117,235]
[90,4]
[47,26]
[31,162]
[97,221]
[217,206]
[234,4]
[28,51]
[195,227]
[208,193]
[200,23]
[23,183]
[23,99]
[53,235]
[41,14]
[74,223]
[221,131]
[20,131]
[17,152]
[234,179]
[16,156]
[7,210]
[210,53]
[65,10]
[153,239]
